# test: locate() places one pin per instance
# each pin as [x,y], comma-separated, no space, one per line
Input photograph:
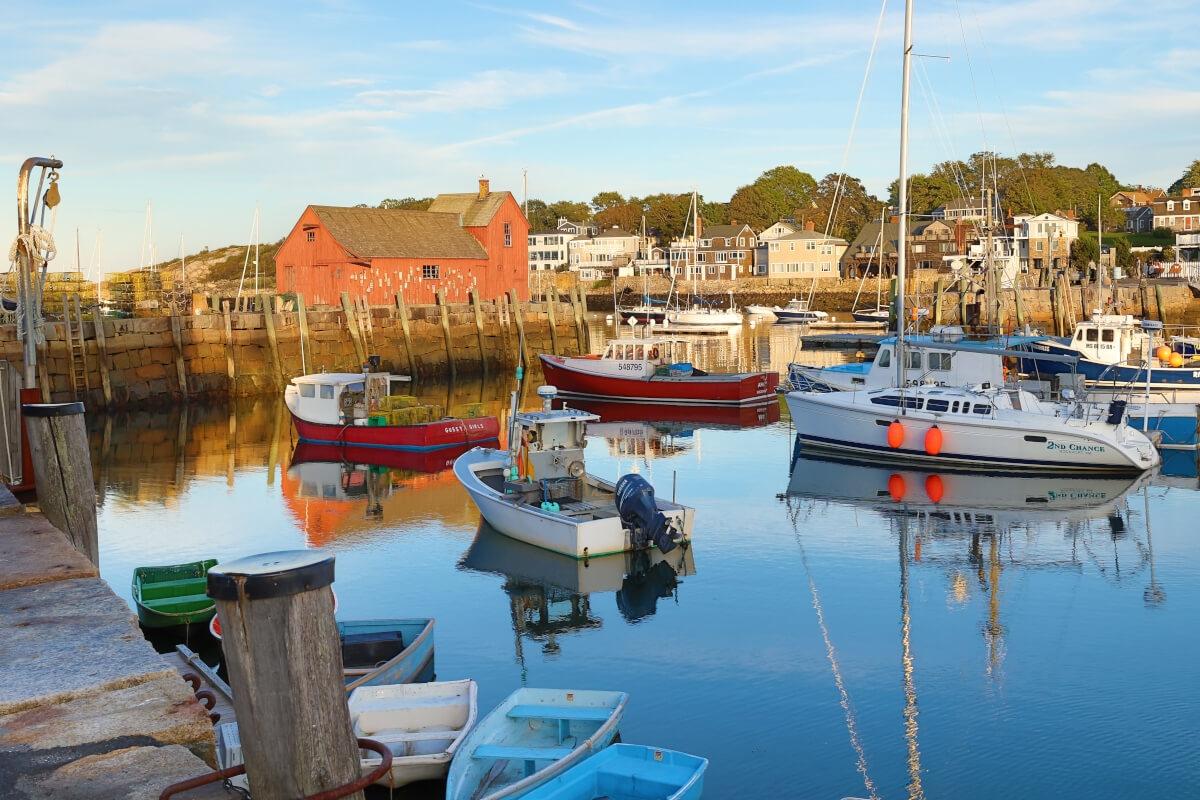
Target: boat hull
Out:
[174,595]
[571,380]
[551,531]
[429,461]
[824,422]
[642,316]
[880,318]
[683,319]
[1172,384]
[425,437]
[629,771]
[726,416]
[782,315]
[413,664]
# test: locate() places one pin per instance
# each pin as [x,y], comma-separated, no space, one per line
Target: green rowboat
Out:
[175,594]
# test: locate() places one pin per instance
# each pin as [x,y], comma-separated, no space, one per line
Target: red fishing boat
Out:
[706,416]
[654,370]
[370,410]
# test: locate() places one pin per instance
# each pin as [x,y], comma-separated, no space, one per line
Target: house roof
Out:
[399,233]
[869,234]
[615,233]
[1139,196]
[921,227]
[476,212]
[721,231]
[811,235]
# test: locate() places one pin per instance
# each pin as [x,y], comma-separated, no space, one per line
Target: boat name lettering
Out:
[1075,447]
[631,366]
[1076,494]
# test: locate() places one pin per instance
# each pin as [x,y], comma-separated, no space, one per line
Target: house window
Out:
[1170,205]
[308,390]
[507,235]
[700,257]
[712,270]
[310,236]
[429,272]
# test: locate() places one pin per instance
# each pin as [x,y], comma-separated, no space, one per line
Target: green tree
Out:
[1084,252]
[925,192]
[782,191]
[540,216]
[414,203]
[667,214]
[1190,179]
[855,206]
[573,210]
[626,215]
[1125,259]
[606,200]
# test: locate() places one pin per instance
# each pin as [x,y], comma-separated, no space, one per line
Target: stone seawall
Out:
[157,359]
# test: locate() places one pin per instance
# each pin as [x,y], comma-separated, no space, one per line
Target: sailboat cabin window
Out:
[308,390]
[885,357]
[954,407]
[914,359]
[983,408]
[326,391]
[1106,335]
[933,404]
[1092,335]
[939,361]
[1079,335]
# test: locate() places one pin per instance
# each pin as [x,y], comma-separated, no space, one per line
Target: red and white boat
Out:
[335,408]
[654,370]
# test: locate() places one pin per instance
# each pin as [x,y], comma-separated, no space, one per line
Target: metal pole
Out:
[24,282]
[902,227]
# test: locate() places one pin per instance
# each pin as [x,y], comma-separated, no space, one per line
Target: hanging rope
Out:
[38,243]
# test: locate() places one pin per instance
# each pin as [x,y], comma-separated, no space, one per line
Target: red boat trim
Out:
[757,400]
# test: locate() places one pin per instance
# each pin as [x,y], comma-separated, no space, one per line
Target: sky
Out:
[209,110]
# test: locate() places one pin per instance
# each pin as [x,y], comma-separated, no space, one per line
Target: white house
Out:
[548,248]
[595,257]
[1043,240]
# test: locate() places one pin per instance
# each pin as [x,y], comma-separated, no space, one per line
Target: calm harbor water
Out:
[833,631]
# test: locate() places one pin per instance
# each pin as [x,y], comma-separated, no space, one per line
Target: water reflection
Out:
[550,595]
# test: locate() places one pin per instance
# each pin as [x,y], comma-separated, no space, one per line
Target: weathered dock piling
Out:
[285,669]
[62,467]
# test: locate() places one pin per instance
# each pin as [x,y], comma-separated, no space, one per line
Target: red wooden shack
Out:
[464,241]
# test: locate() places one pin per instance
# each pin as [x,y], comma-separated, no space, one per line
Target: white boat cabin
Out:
[926,363]
[1114,338]
[339,398]
[549,444]
[636,357]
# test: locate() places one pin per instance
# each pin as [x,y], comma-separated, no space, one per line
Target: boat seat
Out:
[184,602]
[393,736]
[580,713]
[498,751]
[153,590]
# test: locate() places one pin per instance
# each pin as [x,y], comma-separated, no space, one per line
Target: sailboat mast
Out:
[1100,249]
[902,227]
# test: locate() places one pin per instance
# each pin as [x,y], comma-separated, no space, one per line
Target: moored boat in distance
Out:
[540,492]
[798,311]
[879,315]
[654,370]
[386,651]
[173,594]
[765,312]
[369,409]
[533,736]
[628,772]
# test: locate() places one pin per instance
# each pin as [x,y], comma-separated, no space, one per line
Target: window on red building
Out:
[429,272]
[507,235]
[310,236]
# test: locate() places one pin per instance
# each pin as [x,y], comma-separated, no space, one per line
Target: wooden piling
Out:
[1145,300]
[272,339]
[937,302]
[180,366]
[102,357]
[503,322]
[62,468]
[583,312]
[474,295]
[285,668]
[43,371]
[522,348]
[444,314]
[302,317]
[963,297]
[550,304]
[1158,301]
[230,374]
[577,318]
[407,333]
[352,326]
[1019,302]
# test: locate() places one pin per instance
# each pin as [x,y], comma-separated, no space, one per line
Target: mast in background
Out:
[902,228]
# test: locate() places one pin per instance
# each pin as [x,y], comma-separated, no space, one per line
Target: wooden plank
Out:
[180,365]
[302,315]
[522,348]
[230,374]
[272,339]
[284,659]
[62,466]
[583,312]
[550,304]
[504,320]
[474,295]
[577,318]
[352,326]
[445,320]
[102,356]
[407,334]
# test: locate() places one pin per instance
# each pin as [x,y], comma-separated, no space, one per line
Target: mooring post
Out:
[272,340]
[352,326]
[522,348]
[1162,317]
[407,334]
[577,318]
[502,327]
[180,366]
[550,304]
[231,376]
[474,295]
[444,315]
[937,302]
[583,312]
[62,468]
[285,667]
[1019,302]
[302,316]
[102,356]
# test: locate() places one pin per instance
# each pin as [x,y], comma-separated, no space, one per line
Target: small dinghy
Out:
[532,737]
[540,491]
[628,772]
[422,724]
[175,594]
[386,651]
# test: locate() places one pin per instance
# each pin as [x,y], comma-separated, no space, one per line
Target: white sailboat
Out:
[700,314]
[969,427]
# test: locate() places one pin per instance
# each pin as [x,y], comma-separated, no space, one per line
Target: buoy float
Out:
[1163,353]
[933,441]
[1176,360]
[896,487]
[895,435]
[934,488]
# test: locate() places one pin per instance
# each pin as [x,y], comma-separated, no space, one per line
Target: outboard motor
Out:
[635,504]
[1116,412]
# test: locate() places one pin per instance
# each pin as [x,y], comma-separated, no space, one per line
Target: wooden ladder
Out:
[76,346]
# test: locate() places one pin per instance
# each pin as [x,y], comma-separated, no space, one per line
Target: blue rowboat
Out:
[385,651]
[535,735]
[629,772]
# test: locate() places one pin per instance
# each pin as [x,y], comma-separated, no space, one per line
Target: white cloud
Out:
[485,90]
[271,90]
[352,82]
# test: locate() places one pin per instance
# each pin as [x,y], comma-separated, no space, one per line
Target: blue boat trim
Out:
[406,448]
